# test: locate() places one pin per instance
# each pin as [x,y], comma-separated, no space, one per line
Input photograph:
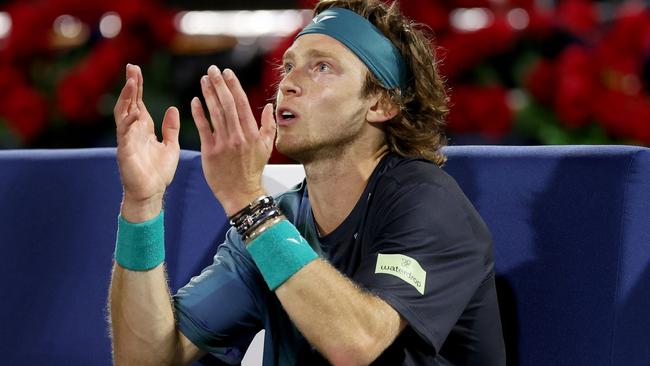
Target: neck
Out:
[336,184]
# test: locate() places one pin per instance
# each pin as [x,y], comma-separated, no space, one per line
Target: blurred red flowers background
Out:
[43,82]
[518,73]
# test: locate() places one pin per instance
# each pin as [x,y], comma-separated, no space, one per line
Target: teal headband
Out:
[364,39]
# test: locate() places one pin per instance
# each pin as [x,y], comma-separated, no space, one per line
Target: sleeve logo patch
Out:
[404,267]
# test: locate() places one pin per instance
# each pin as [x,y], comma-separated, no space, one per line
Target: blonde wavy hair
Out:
[418,130]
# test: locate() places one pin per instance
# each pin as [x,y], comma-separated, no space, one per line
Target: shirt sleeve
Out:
[220,309]
[428,258]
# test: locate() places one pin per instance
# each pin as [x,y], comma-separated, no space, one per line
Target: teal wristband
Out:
[280,252]
[140,246]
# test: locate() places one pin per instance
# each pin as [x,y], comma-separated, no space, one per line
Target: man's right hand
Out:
[147,166]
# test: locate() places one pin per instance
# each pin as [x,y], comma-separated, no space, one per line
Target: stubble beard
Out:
[334,145]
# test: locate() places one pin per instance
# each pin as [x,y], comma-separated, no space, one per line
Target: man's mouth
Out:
[285,117]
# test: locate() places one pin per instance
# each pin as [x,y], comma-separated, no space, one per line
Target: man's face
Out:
[320,110]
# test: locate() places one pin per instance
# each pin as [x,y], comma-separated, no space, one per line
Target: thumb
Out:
[171,126]
[268,125]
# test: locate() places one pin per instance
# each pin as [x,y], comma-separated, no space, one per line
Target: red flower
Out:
[626,43]
[462,51]
[630,33]
[540,81]
[30,29]
[526,4]
[162,25]
[104,66]
[624,116]
[76,99]
[87,11]
[470,3]
[578,17]
[461,118]
[25,111]
[307,4]
[79,92]
[577,81]
[432,13]
[9,79]
[480,109]
[540,23]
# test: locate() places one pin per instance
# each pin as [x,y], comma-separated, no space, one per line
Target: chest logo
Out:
[403,267]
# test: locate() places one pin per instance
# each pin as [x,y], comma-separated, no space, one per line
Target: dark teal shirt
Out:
[413,239]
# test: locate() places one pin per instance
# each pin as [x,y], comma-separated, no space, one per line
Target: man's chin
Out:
[296,152]
[290,152]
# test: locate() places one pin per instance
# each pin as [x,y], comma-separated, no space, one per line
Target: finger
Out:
[124,100]
[140,80]
[244,112]
[171,126]
[146,116]
[217,119]
[126,122]
[269,126]
[227,103]
[132,73]
[201,122]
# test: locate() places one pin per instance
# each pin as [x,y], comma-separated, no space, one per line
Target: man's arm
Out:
[348,326]
[142,320]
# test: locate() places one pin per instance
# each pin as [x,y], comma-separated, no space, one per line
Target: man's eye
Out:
[322,67]
[288,68]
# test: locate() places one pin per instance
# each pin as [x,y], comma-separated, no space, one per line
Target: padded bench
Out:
[571,230]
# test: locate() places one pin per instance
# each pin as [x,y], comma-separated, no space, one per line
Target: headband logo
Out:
[319,19]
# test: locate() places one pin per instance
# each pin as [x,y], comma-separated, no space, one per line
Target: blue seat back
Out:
[571,229]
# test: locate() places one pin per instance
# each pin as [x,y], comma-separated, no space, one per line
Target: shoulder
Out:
[418,196]
[407,177]
[408,171]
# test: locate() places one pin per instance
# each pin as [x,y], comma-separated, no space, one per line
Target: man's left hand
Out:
[234,150]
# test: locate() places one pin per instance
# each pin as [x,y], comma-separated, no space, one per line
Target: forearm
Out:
[142,320]
[347,325]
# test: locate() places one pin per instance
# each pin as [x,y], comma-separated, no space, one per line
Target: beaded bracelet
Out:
[260,220]
[250,208]
[254,215]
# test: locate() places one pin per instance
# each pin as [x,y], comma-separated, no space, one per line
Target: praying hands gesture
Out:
[146,165]
[234,150]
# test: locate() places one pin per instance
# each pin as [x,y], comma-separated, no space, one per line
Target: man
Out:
[377,257]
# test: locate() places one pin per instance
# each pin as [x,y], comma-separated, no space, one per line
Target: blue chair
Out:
[571,231]
[571,228]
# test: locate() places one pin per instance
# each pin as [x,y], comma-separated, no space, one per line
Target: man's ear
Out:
[381,109]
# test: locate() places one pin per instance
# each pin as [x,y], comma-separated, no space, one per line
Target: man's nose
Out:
[290,85]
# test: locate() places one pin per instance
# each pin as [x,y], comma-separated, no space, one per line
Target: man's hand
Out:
[233,149]
[147,166]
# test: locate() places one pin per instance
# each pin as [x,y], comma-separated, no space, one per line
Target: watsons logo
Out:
[404,267]
[398,270]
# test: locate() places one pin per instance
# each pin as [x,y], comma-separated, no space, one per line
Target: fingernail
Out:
[205,80]
[214,69]
[228,74]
